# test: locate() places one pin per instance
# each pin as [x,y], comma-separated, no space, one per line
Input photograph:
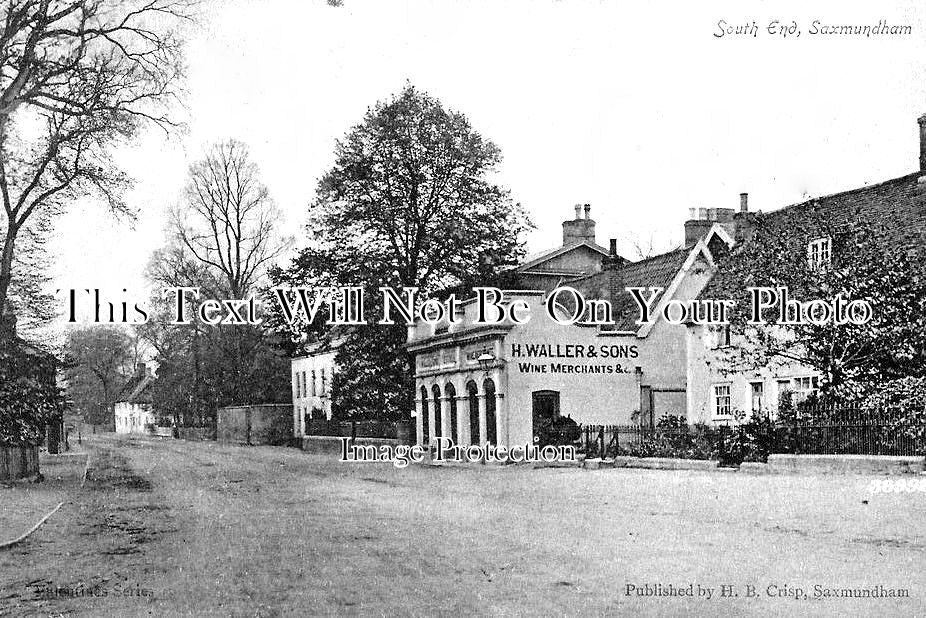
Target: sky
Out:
[636,108]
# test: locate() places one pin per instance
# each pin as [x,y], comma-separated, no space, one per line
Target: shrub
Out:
[29,397]
[906,399]
[751,440]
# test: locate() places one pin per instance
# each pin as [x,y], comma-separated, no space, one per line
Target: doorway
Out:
[545,406]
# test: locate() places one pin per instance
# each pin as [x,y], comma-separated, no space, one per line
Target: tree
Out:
[29,396]
[99,359]
[76,77]
[227,220]
[868,263]
[224,235]
[409,201]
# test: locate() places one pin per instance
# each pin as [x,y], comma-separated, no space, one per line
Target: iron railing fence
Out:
[831,430]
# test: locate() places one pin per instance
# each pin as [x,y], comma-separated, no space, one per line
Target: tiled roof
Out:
[656,271]
[900,201]
[897,206]
[137,389]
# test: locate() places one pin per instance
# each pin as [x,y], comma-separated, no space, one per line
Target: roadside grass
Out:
[24,502]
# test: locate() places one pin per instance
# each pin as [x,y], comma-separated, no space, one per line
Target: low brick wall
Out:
[257,424]
[18,462]
[328,445]
[845,464]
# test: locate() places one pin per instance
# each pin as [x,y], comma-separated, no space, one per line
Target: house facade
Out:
[312,375]
[133,410]
[816,233]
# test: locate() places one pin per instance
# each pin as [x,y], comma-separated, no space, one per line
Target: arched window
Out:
[424,413]
[435,396]
[488,388]
[451,393]
[472,392]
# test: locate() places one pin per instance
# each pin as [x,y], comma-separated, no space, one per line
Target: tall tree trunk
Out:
[6,278]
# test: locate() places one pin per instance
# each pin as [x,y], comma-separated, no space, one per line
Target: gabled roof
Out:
[531,262]
[137,389]
[655,271]
[328,341]
[659,271]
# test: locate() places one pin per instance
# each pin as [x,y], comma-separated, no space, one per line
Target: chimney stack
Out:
[744,202]
[922,122]
[579,230]
[612,260]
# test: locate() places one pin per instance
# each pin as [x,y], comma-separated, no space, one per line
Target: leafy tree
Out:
[410,201]
[866,265]
[99,359]
[29,395]
[376,382]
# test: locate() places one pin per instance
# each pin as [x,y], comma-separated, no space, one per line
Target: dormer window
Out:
[819,253]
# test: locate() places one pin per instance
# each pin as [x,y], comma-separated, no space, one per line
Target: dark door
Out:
[545,408]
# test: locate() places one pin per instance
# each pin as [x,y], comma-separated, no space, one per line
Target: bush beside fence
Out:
[830,431]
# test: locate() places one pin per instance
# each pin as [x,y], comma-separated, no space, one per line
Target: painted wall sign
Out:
[572,350]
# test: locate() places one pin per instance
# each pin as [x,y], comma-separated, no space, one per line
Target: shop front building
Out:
[498,383]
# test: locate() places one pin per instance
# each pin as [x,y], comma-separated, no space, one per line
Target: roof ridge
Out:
[830,196]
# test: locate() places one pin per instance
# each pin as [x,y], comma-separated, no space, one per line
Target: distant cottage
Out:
[133,409]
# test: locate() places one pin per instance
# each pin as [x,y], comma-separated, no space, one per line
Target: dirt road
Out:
[169,527]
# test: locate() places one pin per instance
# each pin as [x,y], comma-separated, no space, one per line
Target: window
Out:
[722,400]
[803,388]
[719,336]
[784,387]
[757,392]
[313,383]
[324,383]
[296,384]
[819,253]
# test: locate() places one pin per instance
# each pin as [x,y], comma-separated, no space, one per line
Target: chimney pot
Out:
[744,202]
[579,230]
